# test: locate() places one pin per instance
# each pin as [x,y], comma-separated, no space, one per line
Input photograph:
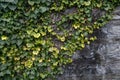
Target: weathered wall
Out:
[101,59]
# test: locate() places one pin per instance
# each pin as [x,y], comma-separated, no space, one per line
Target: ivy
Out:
[38,37]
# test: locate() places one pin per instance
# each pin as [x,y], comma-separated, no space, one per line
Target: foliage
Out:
[38,37]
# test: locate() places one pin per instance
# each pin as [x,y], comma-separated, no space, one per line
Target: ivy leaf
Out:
[1,46]
[62,39]
[43,9]
[37,1]
[31,2]
[29,45]
[37,35]
[87,3]
[4,5]
[82,45]
[19,42]
[99,5]
[4,37]
[1,74]
[35,52]
[12,7]
[7,72]
[7,1]
[29,32]
[43,1]
[42,75]
[31,77]
[15,1]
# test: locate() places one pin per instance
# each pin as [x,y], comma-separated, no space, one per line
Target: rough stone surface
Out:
[99,60]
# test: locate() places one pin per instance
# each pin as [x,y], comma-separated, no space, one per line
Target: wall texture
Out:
[101,59]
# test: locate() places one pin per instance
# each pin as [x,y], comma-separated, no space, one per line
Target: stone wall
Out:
[101,59]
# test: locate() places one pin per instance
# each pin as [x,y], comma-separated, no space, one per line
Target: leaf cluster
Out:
[38,37]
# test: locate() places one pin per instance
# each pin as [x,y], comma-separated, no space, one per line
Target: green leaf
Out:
[29,45]
[19,42]
[31,2]
[42,75]
[7,72]
[4,5]
[1,74]
[31,77]
[37,1]
[15,1]
[12,7]
[1,46]
[43,9]
[7,1]
[29,31]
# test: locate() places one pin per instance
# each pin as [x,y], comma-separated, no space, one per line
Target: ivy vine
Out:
[38,37]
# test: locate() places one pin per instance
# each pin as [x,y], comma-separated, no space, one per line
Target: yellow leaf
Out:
[76,26]
[43,33]
[37,35]
[92,38]
[29,45]
[62,39]
[40,60]
[55,64]
[53,33]
[87,3]
[33,58]
[88,42]
[50,29]
[38,49]
[82,35]
[64,48]
[28,63]
[51,49]
[99,5]
[29,32]
[4,37]
[82,45]
[35,52]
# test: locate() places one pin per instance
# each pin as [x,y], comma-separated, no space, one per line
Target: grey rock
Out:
[116,17]
[101,59]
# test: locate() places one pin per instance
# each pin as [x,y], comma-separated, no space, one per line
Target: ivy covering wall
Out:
[38,37]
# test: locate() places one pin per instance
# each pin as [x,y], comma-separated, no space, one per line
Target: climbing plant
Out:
[38,37]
